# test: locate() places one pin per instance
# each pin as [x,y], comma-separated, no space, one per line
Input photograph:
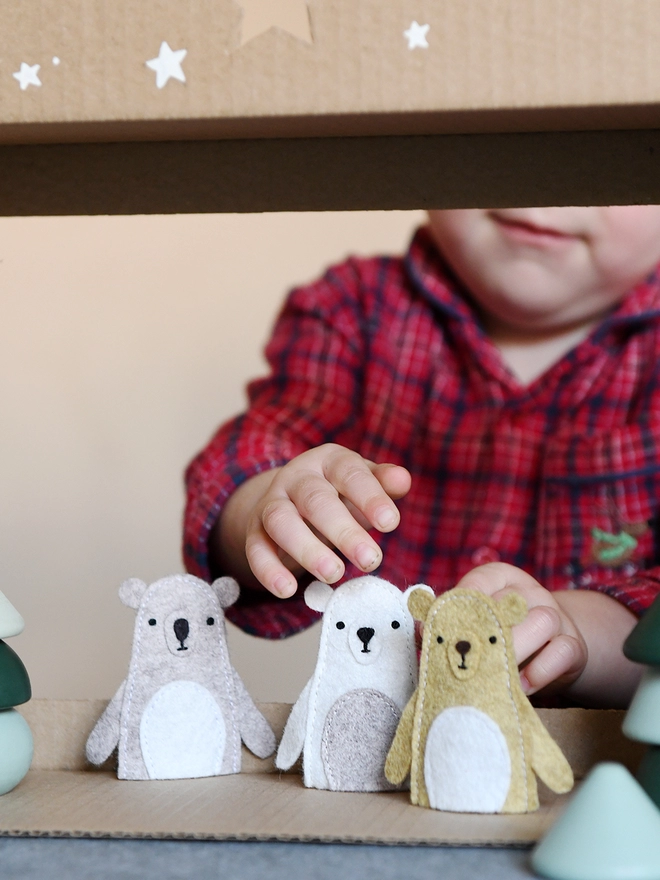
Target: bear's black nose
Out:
[365,634]
[181,630]
[463,648]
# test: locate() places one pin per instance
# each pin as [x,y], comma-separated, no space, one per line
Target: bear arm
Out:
[255,731]
[293,738]
[399,757]
[548,761]
[105,735]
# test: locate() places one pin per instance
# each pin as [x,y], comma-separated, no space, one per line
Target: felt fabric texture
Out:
[469,707]
[182,710]
[467,766]
[366,671]
[357,734]
[182,732]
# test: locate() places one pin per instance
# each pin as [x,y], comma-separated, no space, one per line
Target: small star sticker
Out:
[28,75]
[168,65]
[416,35]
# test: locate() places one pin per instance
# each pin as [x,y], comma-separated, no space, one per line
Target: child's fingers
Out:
[357,480]
[283,520]
[547,635]
[394,479]
[497,578]
[318,503]
[263,558]
[542,624]
[559,664]
[327,496]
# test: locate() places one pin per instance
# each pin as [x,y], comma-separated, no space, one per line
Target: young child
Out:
[500,383]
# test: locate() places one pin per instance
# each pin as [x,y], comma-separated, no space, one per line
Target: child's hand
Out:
[547,642]
[571,640]
[294,516]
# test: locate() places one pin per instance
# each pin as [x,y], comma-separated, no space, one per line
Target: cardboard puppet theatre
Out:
[182,710]
[469,737]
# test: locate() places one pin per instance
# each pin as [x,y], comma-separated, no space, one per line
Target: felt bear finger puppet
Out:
[345,718]
[469,737]
[182,710]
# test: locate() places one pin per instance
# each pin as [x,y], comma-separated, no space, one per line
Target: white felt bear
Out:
[346,717]
[182,710]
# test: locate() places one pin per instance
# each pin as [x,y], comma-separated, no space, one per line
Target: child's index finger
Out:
[395,480]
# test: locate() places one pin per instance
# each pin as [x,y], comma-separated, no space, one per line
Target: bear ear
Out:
[317,596]
[227,590]
[512,609]
[420,599]
[132,591]
[409,590]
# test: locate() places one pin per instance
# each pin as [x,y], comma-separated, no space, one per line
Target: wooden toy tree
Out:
[642,721]
[15,736]
[610,830]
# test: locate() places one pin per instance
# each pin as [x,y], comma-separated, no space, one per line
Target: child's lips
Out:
[526,232]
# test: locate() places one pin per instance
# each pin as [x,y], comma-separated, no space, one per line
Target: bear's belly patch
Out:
[182,732]
[357,735]
[467,767]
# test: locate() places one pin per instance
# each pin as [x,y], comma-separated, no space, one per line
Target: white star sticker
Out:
[168,65]
[28,75]
[416,35]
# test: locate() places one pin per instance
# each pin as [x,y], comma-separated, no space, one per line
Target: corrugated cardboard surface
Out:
[490,65]
[513,103]
[60,797]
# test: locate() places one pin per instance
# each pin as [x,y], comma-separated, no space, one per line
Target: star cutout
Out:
[168,65]
[28,75]
[416,35]
[262,15]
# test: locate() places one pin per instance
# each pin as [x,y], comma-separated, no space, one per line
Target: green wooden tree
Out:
[642,721]
[16,744]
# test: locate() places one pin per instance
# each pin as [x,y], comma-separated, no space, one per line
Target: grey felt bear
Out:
[182,710]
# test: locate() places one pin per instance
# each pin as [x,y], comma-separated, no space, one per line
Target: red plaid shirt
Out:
[386,356]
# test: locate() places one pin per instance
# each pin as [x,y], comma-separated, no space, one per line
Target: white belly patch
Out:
[182,732]
[467,767]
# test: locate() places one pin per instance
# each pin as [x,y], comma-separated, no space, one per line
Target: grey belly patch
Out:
[357,735]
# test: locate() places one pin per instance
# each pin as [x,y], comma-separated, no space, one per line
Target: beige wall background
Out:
[124,341]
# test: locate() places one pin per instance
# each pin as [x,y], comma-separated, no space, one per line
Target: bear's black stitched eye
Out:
[340,624]
[152,621]
[210,621]
[440,640]
[395,624]
[492,639]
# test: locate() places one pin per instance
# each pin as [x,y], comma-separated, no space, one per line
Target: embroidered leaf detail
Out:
[612,549]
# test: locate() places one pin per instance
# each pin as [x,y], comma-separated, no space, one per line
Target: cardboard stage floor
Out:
[61,797]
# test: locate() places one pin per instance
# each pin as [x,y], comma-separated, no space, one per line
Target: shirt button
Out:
[484,555]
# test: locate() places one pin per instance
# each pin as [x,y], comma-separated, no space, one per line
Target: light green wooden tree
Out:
[16,744]
[642,722]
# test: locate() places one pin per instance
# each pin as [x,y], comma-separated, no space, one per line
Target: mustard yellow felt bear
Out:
[469,737]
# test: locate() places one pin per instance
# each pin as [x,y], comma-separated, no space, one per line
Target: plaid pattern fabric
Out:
[386,356]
